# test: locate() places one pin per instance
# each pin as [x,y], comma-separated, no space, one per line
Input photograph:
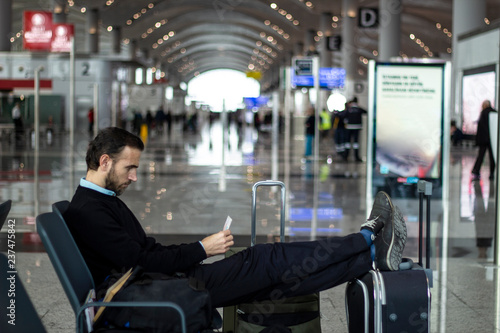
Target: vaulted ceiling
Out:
[189,37]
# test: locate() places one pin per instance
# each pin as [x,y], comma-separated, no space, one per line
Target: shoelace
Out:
[371,223]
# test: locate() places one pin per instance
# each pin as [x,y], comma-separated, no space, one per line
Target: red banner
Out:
[61,37]
[37,30]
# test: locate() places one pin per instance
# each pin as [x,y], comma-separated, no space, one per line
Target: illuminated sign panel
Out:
[37,30]
[61,37]
[40,34]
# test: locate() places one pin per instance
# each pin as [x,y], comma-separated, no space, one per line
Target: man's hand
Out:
[218,243]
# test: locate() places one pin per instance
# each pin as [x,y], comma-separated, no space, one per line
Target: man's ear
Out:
[105,162]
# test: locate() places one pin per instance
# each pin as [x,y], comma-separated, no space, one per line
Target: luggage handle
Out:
[424,190]
[254,207]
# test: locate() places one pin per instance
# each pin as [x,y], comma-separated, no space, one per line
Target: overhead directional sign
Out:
[329,78]
[303,66]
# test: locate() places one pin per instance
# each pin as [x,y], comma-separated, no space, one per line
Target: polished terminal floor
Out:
[184,192]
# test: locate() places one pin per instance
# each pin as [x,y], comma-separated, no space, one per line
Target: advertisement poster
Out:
[478,85]
[61,37]
[408,121]
[37,28]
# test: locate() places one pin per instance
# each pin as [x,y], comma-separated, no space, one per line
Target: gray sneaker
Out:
[380,214]
[390,241]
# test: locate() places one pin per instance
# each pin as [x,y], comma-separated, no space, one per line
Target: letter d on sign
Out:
[368,17]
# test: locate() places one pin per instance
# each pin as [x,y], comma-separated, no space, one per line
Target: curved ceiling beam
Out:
[250,53]
[182,28]
[198,61]
[212,65]
[211,33]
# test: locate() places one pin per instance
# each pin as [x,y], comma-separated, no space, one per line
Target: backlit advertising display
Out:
[478,84]
[61,37]
[41,34]
[37,28]
[408,124]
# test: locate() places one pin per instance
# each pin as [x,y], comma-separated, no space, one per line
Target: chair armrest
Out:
[81,311]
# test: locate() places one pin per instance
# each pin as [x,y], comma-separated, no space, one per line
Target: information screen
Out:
[329,78]
[408,123]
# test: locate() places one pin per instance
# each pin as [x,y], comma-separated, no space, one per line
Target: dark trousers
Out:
[480,158]
[280,270]
[352,141]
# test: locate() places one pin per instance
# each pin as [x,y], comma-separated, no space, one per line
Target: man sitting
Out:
[111,238]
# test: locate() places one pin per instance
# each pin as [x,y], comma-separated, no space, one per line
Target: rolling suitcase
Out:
[294,314]
[397,301]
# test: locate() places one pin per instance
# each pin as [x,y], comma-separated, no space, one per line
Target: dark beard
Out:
[112,185]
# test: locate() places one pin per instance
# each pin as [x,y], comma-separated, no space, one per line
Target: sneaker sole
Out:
[398,240]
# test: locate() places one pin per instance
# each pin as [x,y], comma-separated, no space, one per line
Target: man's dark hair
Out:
[110,141]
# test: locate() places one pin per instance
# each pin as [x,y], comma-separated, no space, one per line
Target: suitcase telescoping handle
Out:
[424,190]
[254,207]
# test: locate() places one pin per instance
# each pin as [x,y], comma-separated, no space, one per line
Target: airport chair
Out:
[60,207]
[4,211]
[23,311]
[73,272]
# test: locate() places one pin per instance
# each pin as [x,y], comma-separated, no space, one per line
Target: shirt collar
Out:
[92,186]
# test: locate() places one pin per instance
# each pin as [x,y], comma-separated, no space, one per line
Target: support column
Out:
[326,28]
[309,43]
[389,43]
[133,49]
[325,55]
[59,12]
[298,49]
[467,16]
[349,60]
[5,25]
[116,36]
[92,31]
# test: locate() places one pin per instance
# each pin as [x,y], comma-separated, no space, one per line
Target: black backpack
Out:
[188,293]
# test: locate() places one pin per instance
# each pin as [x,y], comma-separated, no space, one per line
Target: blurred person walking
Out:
[353,123]
[483,141]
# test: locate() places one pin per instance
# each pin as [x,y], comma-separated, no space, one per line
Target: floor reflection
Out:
[178,197]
